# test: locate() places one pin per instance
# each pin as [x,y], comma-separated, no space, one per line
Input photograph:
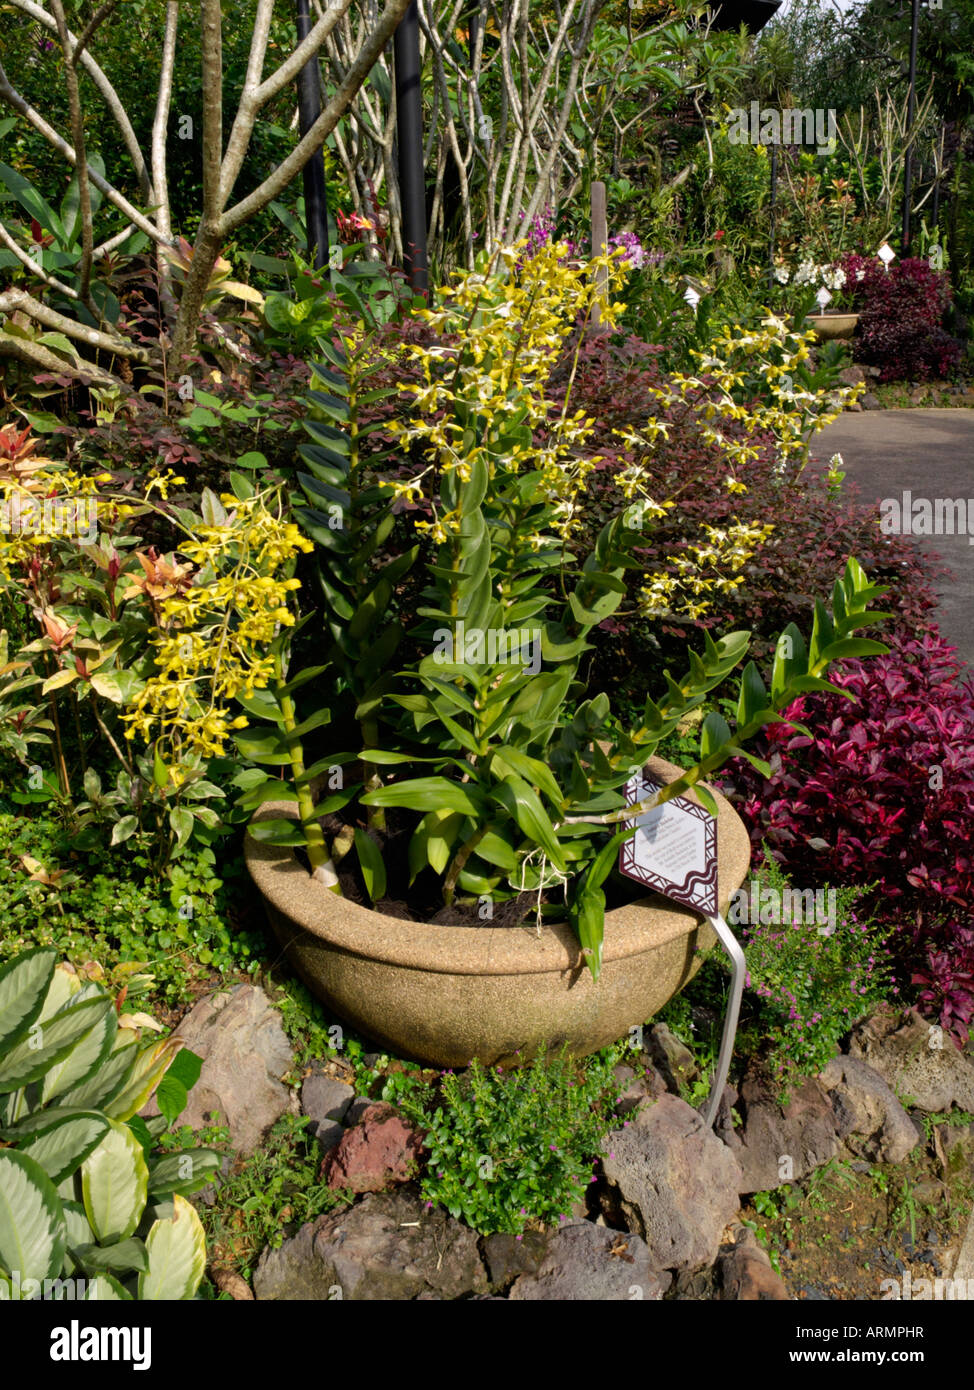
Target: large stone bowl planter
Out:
[829,326]
[445,995]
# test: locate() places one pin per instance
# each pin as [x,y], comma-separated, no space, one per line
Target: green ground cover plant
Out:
[512,1150]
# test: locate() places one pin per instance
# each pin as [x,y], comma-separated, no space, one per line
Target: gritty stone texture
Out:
[382,1150]
[324,1098]
[778,1144]
[637,1088]
[869,1118]
[386,1247]
[507,1257]
[851,376]
[245,1054]
[917,1059]
[357,1109]
[744,1271]
[673,1060]
[673,1182]
[588,1263]
[325,1101]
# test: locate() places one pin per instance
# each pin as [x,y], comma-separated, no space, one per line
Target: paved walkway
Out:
[930,454]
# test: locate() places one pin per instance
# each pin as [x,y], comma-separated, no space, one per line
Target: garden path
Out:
[929,453]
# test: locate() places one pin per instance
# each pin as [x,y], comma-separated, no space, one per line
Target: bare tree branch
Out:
[98,18]
[324,125]
[13,98]
[108,92]
[211,26]
[243,123]
[160,121]
[305,50]
[37,357]
[80,153]
[27,260]
[19,301]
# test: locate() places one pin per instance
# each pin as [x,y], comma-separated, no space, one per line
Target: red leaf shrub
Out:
[883,794]
[901,313]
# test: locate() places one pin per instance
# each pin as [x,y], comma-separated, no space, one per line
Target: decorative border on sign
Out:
[698,890]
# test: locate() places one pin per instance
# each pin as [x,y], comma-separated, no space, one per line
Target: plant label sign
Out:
[674,849]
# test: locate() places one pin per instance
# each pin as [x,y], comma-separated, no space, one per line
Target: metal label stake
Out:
[732,946]
[673,850]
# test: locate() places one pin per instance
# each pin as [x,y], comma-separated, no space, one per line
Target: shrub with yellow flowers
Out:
[138,655]
[215,618]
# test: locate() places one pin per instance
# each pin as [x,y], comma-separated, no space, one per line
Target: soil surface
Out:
[841,1232]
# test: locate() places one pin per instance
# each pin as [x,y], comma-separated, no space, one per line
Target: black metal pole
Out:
[309,109]
[409,136]
[910,112]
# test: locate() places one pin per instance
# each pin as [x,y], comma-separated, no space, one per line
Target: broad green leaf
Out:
[428,794]
[76,1223]
[149,1068]
[123,829]
[59,679]
[493,848]
[83,1060]
[24,983]
[587,915]
[181,821]
[433,840]
[177,1255]
[48,1042]
[278,830]
[123,1256]
[522,802]
[64,984]
[114,1184]
[104,1084]
[33,1238]
[753,696]
[183,1172]
[105,1288]
[537,773]
[64,1146]
[714,733]
[108,687]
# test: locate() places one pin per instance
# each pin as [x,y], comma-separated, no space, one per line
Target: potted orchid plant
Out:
[438,801]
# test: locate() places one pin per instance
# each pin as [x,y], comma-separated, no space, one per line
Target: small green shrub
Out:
[508,1149]
[813,984]
[277,1187]
[113,911]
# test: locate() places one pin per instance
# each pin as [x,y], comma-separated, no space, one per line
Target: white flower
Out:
[782,274]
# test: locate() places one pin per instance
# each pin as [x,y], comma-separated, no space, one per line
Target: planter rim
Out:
[287,887]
